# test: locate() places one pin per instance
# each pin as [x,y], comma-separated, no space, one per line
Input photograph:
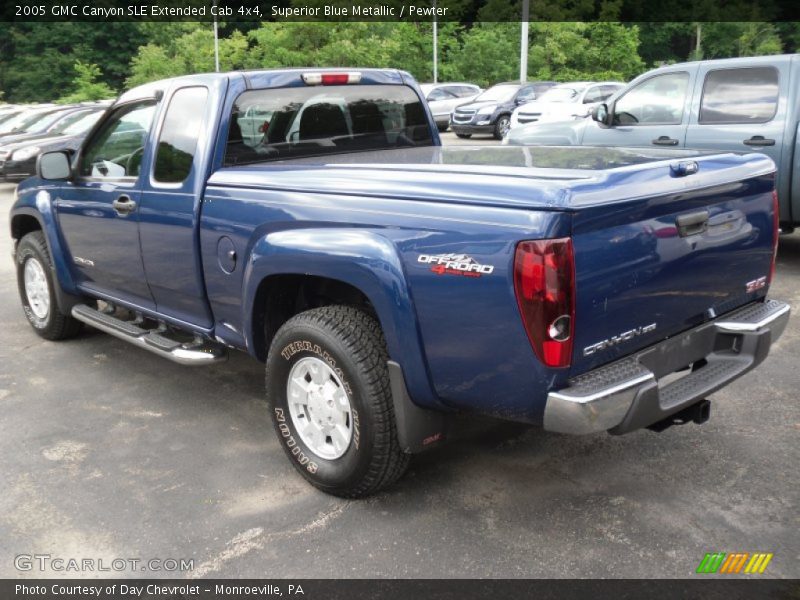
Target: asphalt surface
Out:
[107,451]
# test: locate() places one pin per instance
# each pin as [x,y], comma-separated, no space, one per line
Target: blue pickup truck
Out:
[388,282]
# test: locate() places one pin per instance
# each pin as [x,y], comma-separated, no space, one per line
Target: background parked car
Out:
[18,160]
[736,104]
[490,112]
[565,101]
[50,123]
[33,120]
[443,98]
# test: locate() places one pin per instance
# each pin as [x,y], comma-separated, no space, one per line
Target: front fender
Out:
[363,259]
[37,202]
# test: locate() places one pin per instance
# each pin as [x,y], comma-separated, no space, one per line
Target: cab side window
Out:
[116,150]
[177,142]
[739,96]
[655,101]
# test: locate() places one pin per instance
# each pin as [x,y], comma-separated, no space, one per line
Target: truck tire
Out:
[331,405]
[502,126]
[37,290]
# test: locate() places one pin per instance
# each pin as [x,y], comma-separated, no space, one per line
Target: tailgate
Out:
[649,268]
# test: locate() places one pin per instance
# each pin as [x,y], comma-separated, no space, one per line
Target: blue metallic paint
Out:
[365,219]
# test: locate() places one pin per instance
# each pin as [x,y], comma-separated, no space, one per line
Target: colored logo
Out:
[735,562]
[455,264]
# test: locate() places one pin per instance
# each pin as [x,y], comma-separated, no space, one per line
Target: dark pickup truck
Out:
[388,282]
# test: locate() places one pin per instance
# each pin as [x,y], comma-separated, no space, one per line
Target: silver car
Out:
[442,98]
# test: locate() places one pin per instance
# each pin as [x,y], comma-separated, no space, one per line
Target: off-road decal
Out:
[305,346]
[455,264]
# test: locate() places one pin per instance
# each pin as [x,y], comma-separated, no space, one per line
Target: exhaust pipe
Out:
[698,413]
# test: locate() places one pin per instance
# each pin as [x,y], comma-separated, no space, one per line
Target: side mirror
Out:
[54,166]
[601,114]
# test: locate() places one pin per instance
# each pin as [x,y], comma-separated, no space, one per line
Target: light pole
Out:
[435,46]
[523,43]
[216,42]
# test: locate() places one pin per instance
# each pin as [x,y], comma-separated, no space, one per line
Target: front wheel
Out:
[329,395]
[37,290]
[464,136]
[502,127]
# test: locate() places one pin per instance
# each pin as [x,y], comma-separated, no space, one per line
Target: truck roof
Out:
[732,62]
[261,78]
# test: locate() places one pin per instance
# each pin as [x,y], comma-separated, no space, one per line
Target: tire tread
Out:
[62,326]
[363,339]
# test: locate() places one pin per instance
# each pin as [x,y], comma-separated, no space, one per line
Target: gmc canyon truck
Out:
[388,282]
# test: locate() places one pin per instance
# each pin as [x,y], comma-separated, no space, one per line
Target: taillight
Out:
[776,232]
[331,78]
[544,283]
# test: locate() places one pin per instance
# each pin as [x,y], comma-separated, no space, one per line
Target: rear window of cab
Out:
[275,124]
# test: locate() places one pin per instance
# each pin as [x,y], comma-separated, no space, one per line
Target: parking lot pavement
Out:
[107,451]
[450,139]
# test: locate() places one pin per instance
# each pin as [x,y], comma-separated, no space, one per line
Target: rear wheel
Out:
[328,389]
[37,290]
[442,127]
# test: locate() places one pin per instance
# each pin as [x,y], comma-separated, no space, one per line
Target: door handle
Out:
[665,140]
[692,223]
[123,205]
[759,140]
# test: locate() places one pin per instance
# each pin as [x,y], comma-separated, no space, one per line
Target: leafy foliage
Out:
[38,61]
[85,85]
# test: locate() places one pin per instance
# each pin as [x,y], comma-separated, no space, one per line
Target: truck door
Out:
[171,193]
[98,212]
[653,113]
[742,109]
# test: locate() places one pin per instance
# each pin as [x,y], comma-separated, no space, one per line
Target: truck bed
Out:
[541,177]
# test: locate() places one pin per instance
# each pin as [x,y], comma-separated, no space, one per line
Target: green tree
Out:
[594,51]
[191,52]
[489,53]
[85,86]
[37,59]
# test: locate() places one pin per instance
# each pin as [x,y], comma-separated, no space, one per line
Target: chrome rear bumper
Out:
[625,395]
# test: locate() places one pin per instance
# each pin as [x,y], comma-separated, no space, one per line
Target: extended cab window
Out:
[178,140]
[655,101]
[318,120]
[116,150]
[739,96]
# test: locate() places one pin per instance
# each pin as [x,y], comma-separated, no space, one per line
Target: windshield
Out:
[498,93]
[46,122]
[78,123]
[560,94]
[21,122]
[8,116]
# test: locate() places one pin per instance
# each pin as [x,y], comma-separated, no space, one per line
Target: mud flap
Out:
[418,429]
